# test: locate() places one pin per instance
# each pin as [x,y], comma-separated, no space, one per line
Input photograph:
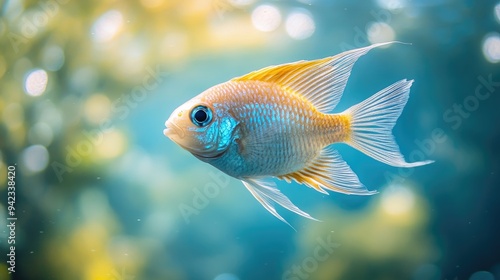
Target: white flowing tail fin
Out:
[372,121]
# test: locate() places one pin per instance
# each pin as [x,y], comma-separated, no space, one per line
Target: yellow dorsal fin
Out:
[328,171]
[320,81]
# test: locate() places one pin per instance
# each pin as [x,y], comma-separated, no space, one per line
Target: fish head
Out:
[202,127]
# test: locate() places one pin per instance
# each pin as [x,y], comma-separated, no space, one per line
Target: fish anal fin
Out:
[302,178]
[328,171]
[268,194]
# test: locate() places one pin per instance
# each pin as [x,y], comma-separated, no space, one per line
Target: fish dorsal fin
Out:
[328,171]
[266,193]
[320,81]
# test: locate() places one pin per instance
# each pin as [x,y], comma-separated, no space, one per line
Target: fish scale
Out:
[295,143]
[294,135]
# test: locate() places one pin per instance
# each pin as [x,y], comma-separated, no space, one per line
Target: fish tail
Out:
[371,123]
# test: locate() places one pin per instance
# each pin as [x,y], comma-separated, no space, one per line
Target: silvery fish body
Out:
[277,122]
[274,131]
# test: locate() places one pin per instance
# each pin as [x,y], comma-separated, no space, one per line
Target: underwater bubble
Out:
[36,82]
[491,47]
[379,32]
[35,158]
[107,26]
[226,276]
[482,275]
[266,18]
[300,25]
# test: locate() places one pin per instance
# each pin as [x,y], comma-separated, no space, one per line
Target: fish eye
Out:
[201,116]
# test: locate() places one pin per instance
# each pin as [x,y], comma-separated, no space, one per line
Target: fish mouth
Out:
[176,134]
[173,129]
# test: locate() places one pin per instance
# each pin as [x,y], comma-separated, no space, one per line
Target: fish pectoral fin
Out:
[329,171]
[267,193]
[321,81]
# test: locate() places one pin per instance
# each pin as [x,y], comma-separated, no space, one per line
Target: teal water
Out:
[101,193]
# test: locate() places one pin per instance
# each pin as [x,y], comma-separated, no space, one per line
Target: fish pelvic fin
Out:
[267,194]
[371,123]
[328,171]
[321,82]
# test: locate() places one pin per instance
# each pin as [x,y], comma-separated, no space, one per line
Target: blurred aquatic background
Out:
[101,194]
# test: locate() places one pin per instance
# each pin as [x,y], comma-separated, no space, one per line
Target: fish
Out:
[277,123]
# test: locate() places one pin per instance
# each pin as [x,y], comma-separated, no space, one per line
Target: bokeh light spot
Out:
[175,45]
[241,3]
[266,18]
[300,25]
[491,47]
[391,5]
[36,82]
[97,108]
[497,12]
[152,3]
[482,275]
[53,58]
[3,172]
[3,66]
[83,79]
[107,26]
[427,272]
[379,32]
[397,200]
[35,158]
[41,133]
[47,112]
[14,112]
[113,144]
[226,276]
